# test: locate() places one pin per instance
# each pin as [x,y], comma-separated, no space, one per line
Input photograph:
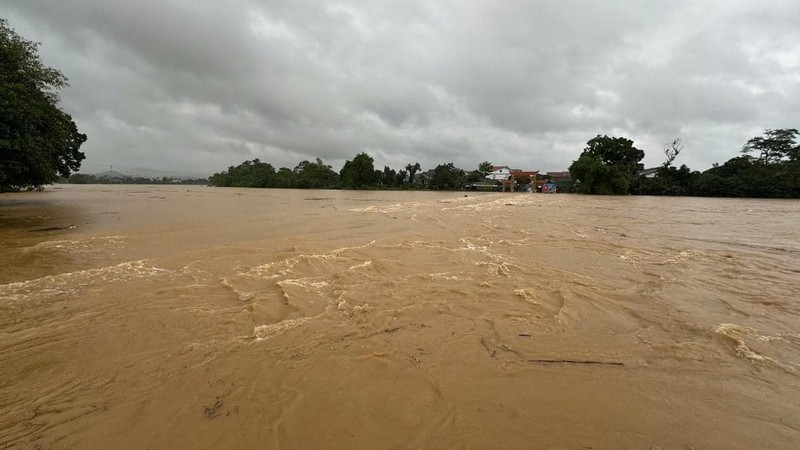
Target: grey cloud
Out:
[198,86]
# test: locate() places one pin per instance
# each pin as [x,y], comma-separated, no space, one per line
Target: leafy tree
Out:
[284,178]
[474,176]
[607,166]
[400,178]
[595,177]
[774,145]
[447,176]
[360,172]
[388,176]
[247,174]
[38,141]
[485,168]
[412,169]
[315,175]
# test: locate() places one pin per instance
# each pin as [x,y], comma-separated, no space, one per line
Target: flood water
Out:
[197,317]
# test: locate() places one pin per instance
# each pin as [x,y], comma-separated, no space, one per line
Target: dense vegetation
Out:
[358,173]
[38,141]
[607,165]
[611,166]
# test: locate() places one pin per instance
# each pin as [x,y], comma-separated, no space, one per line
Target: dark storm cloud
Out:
[197,86]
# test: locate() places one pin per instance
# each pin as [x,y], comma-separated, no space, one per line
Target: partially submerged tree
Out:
[38,141]
[607,166]
[360,172]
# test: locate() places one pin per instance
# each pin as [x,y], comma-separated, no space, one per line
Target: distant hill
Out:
[109,174]
[146,173]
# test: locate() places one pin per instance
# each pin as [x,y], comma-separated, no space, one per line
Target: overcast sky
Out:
[195,86]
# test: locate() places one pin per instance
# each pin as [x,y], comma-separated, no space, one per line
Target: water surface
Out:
[185,317]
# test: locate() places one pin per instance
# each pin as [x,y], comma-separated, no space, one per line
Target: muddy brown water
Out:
[195,317]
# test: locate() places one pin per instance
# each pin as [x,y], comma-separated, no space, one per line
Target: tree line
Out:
[768,166]
[358,173]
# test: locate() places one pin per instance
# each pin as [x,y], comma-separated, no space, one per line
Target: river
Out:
[198,317]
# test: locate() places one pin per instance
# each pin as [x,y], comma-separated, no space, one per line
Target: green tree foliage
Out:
[775,172]
[607,166]
[401,178]
[485,168]
[38,141]
[474,176]
[315,175]
[389,176]
[258,174]
[360,172]
[447,176]
[247,174]
[412,169]
[745,176]
[774,145]
[668,180]
[594,177]
[284,178]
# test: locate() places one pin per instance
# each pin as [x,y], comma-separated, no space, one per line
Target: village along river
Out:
[195,317]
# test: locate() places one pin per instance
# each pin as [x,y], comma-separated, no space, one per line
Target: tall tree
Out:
[774,145]
[412,169]
[400,178]
[607,166]
[485,168]
[38,141]
[388,176]
[360,172]
[314,175]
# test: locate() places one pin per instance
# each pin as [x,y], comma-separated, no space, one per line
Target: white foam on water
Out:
[263,332]
[286,267]
[685,255]
[629,255]
[79,245]
[469,246]
[363,265]
[54,285]
[737,333]
[393,208]
[244,296]
[445,276]
[526,295]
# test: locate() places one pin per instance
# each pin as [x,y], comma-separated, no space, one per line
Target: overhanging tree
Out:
[38,141]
